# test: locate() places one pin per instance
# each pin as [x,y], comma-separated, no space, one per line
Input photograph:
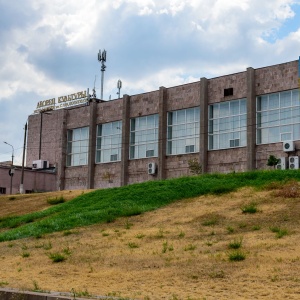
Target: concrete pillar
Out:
[162,133]
[61,161]
[125,139]
[251,119]
[203,124]
[92,144]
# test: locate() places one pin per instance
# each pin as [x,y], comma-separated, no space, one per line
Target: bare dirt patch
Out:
[178,252]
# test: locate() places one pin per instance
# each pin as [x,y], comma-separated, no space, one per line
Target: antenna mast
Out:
[102,59]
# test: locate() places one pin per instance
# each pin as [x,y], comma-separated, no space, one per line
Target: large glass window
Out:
[144,137]
[227,124]
[109,139]
[77,146]
[183,131]
[278,117]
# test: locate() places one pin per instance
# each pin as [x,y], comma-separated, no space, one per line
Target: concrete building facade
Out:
[231,123]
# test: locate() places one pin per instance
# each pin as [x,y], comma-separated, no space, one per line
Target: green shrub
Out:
[57,257]
[236,244]
[56,200]
[279,232]
[237,256]
[249,208]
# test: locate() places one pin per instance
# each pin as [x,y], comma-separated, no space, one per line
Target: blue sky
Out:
[49,48]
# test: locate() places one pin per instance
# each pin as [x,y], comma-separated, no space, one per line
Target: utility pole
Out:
[22,174]
[11,171]
[102,60]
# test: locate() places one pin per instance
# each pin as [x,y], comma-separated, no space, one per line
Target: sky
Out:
[50,48]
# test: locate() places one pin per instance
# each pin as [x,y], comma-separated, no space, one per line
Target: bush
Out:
[249,208]
[56,200]
[237,256]
[57,257]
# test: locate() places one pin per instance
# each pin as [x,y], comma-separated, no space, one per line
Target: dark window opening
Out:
[228,92]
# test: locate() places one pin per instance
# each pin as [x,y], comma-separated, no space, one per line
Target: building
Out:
[229,123]
[33,181]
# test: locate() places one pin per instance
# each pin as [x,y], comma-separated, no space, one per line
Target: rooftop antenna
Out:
[102,59]
[119,85]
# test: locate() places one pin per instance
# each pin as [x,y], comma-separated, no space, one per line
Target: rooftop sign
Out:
[62,102]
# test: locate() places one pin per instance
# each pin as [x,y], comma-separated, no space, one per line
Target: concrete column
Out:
[125,139]
[203,124]
[162,133]
[92,144]
[61,161]
[251,119]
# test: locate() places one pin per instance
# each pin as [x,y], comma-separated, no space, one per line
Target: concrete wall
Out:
[7,294]
[33,180]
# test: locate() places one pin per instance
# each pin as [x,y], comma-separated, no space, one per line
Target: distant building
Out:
[41,181]
[230,123]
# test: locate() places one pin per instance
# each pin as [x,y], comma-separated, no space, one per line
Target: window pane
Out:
[224,109]
[285,99]
[234,107]
[243,106]
[273,101]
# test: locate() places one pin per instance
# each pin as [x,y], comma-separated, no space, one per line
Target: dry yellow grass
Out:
[177,252]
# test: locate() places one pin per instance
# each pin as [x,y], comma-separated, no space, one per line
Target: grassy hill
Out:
[208,237]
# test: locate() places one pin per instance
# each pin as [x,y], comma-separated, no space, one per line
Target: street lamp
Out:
[11,173]
[102,59]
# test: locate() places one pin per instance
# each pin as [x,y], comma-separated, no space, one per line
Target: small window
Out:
[149,153]
[234,143]
[228,92]
[2,190]
[190,149]
[114,157]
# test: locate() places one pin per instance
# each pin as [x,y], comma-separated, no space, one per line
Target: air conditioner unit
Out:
[288,146]
[282,163]
[40,164]
[151,168]
[294,162]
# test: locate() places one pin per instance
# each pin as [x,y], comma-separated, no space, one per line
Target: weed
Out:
[237,256]
[190,247]
[57,257]
[68,232]
[47,246]
[10,245]
[25,254]
[230,229]
[84,293]
[56,200]
[38,236]
[24,247]
[3,283]
[67,251]
[160,234]
[256,227]
[36,287]
[128,225]
[181,234]
[210,222]
[140,236]
[12,198]
[132,245]
[236,244]
[279,232]
[250,208]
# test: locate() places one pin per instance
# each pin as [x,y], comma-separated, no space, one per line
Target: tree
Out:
[272,161]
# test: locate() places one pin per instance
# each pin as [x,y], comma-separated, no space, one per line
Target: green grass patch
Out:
[237,256]
[106,205]
[279,232]
[56,200]
[250,208]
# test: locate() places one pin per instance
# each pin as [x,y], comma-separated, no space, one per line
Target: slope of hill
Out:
[243,244]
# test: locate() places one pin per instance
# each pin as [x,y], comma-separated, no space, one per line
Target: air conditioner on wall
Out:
[288,146]
[151,168]
[40,164]
[282,163]
[294,162]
